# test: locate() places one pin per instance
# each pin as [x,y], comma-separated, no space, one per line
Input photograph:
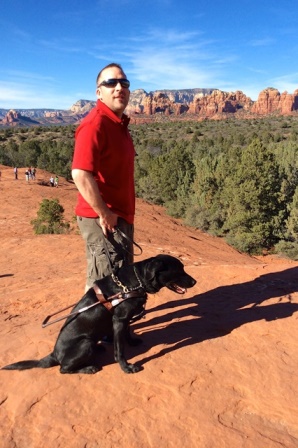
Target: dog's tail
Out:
[44,363]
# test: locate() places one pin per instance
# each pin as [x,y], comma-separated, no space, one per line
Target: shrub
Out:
[288,249]
[50,218]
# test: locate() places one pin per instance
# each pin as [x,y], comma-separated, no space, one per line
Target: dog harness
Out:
[116,299]
[109,303]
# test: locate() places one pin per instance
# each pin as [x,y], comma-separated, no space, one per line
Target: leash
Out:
[130,241]
[124,237]
[112,301]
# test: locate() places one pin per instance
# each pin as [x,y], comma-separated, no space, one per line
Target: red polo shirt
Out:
[103,145]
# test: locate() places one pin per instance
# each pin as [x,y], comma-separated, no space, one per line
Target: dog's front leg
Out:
[120,329]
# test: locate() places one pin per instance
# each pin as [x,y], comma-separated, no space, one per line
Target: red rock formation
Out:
[196,104]
[158,103]
[53,114]
[11,117]
[219,103]
[270,100]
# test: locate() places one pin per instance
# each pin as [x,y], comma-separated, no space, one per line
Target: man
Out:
[103,171]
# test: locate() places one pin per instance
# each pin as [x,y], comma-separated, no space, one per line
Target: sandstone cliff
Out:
[166,102]
[11,116]
[219,103]
[82,106]
[270,100]
[14,118]
[189,103]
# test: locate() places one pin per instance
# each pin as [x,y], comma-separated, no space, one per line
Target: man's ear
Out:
[98,93]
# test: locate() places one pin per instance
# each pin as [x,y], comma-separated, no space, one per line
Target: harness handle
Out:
[46,322]
[109,303]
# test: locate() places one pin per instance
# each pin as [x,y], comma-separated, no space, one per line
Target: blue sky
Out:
[52,51]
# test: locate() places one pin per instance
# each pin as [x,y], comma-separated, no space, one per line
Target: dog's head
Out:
[166,271]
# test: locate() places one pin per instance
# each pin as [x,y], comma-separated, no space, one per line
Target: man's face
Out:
[116,98]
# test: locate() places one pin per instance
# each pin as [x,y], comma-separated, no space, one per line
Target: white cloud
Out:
[266,41]
[18,76]
[287,82]
[163,59]
[16,96]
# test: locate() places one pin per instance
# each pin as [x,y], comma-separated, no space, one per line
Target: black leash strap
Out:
[123,246]
[118,230]
[131,241]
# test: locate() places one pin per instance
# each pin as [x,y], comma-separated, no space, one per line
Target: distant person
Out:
[15,170]
[56,181]
[27,175]
[33,173]
[103,171]
[51,181]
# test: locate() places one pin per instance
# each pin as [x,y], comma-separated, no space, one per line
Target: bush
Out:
[50,218]
[288,249]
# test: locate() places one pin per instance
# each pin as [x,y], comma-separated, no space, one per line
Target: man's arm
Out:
[88,188]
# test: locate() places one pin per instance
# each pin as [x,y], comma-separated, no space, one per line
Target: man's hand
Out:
[88,188]
[108,222]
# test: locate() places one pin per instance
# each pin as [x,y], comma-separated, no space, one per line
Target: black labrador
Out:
[107,309]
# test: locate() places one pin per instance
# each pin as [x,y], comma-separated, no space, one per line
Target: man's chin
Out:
[119,108]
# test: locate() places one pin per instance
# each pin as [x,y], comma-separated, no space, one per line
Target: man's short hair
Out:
[113,64]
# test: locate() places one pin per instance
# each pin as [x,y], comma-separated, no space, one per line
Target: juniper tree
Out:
[252,200]
[50,218]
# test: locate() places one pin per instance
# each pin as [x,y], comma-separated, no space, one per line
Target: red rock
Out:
[271,101]
[11,117]
[215,105]
[220,362]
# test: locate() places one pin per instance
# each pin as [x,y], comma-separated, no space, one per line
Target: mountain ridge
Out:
[197,103]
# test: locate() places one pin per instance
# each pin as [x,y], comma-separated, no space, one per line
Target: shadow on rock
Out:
[219,311]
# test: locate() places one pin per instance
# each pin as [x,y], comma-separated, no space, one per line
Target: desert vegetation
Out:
[236,179]
[48,148]
[50,218]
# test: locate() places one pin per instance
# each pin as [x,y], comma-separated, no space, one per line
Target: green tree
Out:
[30,151]
[288,246]
[50,218]
[168,177]
[292,221]
[252,200]
[13,156]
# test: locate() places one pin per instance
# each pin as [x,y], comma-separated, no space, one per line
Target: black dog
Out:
[111,304]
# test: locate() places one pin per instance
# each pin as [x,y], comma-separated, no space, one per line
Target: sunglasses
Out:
[112,82]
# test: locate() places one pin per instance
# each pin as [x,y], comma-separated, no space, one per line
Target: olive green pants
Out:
[120,249]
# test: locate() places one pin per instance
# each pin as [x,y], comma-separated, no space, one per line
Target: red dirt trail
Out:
[219,364]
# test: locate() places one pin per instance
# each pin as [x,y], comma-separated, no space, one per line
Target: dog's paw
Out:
[130,368]
[88,370]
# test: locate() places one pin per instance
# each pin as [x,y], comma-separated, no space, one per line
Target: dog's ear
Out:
[155,265]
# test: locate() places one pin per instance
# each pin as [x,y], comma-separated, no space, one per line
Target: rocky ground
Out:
[218,364]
